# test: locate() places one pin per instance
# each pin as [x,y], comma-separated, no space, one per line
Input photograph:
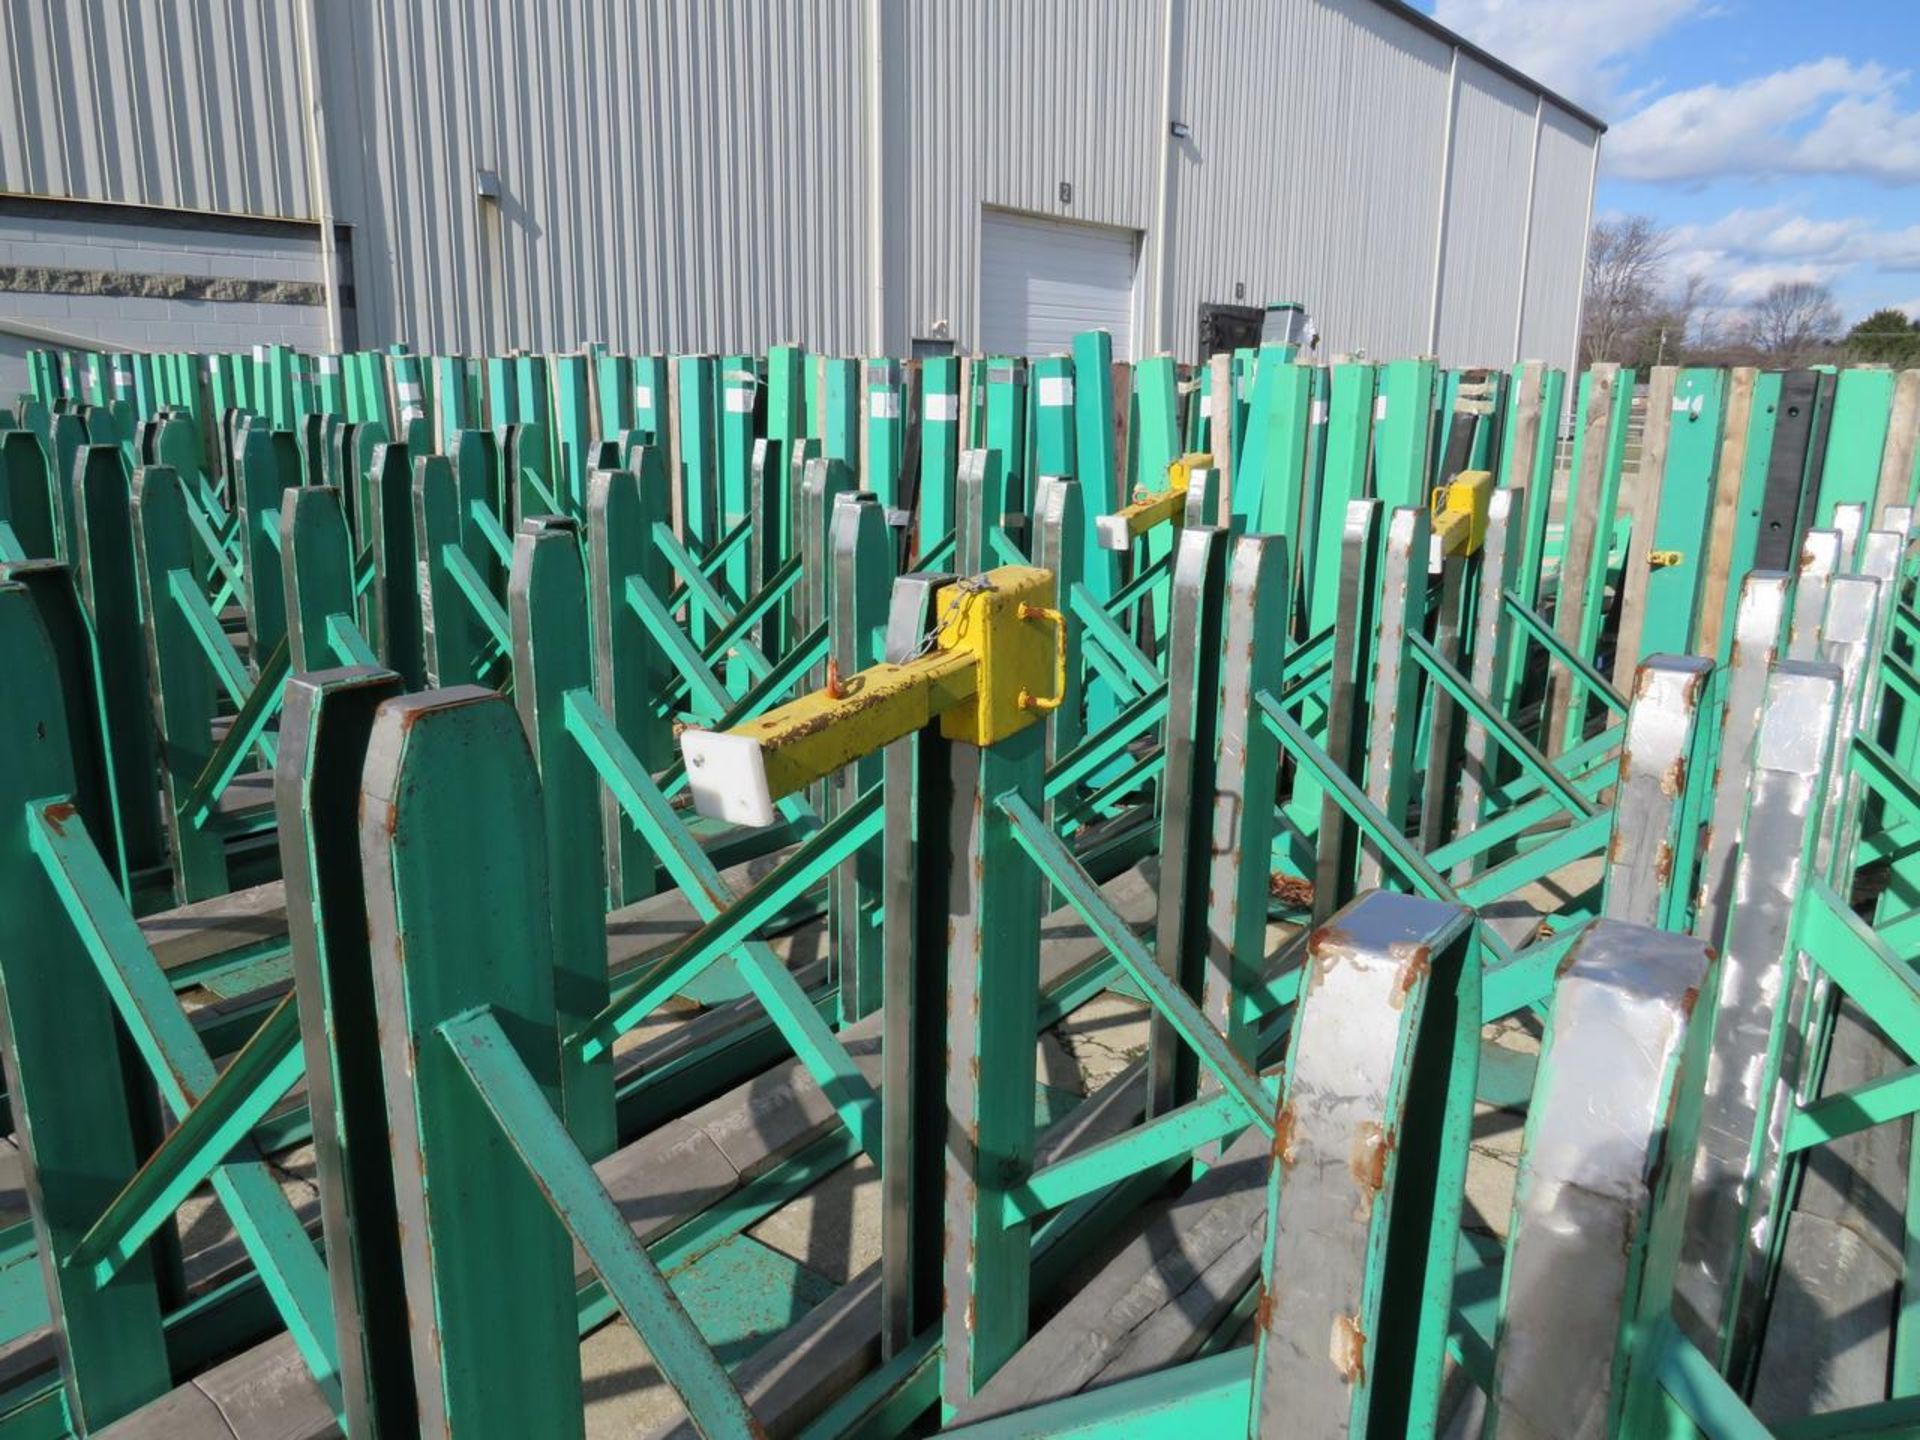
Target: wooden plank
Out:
[205,928]
[1897,473]
[1523,435]
[245,1392]
[1831,1324]
[246,796]
[188,1413]
[1640,499]
[1726,506]
[796,1375]
[1218,381]
[1176,1331]
[1171,1252]
[1580,527]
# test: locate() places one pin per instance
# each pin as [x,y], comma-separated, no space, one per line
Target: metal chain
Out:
[972,585]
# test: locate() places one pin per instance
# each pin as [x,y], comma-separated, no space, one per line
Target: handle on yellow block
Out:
[1028,700]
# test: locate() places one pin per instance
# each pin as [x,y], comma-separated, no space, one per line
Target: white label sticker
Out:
[1379,408]
[740,400]
[883,404]
[1318,415]
[643,397]
[1206,404]
[942,408]
[1056,390]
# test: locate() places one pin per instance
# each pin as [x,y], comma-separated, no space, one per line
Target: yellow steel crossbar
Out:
[1460,512]
[1119,530]
[991,668]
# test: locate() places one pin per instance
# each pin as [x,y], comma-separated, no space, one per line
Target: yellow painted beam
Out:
[1119,530]
[1460,512]
[994,661]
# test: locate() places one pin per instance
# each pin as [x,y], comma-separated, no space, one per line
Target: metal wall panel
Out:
[692,176]
[674,176]
[1313,169]
[1556,258]
[1482,264]
[152,102]
[1009,100]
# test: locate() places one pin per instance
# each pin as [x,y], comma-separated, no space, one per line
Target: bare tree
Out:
[1701,305]
[1626,258]
[1792,321]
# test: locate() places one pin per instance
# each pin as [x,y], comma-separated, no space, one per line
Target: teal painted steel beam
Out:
[520,1105]
[1834,1117]
[751,909]
[245,734]
[1060,868]
[699,880]
[177,1058]
[1166,1137]
[76,1132]
[253,1082]
[1483,710]
[1203,1397]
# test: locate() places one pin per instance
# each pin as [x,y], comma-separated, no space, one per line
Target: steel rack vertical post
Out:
[631,673]
[325,725]
[1194,663]
[552,654]
[939,450]
[860,580]
[450,792]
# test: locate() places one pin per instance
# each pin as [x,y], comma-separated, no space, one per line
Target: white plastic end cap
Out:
[728,777]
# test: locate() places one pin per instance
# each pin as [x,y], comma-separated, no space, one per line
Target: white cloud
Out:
[1822,117]
[1576,47]
[1782,234]
[1864,135]
[1747,251]
[1827,116]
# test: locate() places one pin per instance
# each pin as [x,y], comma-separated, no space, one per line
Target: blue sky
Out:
[1776,140]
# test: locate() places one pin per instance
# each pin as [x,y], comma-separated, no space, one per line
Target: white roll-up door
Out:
[1044,281]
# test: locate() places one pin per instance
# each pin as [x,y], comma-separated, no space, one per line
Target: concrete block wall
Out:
[264,256]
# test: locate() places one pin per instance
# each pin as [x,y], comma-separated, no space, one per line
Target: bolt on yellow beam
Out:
[1119,530]
[994,662]
[1460,512]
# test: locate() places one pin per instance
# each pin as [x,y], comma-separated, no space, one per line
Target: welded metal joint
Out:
[1649,850]
[1610,1132]
[1382,1063]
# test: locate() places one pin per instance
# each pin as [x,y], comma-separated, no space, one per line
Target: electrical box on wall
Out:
[1228,327]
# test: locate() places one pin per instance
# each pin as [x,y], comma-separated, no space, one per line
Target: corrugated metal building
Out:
[863,176]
